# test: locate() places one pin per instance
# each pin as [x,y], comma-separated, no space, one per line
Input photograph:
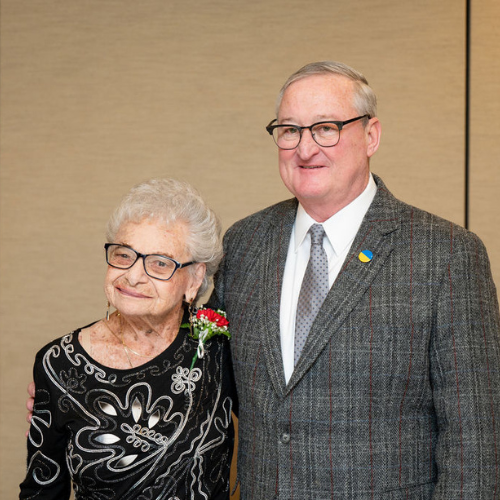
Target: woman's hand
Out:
[30,403]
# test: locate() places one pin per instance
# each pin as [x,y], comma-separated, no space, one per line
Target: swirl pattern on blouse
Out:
[157,431]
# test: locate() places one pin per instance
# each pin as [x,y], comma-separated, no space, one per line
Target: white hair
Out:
[168,201]
[365,100]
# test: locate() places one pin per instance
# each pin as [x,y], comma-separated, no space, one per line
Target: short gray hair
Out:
[365,100]
[168,201]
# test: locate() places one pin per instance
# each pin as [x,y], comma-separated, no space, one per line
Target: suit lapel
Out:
[274,252]
[381,219]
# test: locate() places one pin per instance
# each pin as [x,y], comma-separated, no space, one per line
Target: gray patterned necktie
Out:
[313,291]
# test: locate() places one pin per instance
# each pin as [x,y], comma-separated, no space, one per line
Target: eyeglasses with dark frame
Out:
[326,134]
[159,267]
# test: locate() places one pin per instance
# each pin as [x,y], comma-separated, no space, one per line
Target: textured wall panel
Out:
[484,129]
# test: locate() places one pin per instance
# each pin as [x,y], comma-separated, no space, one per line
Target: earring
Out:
[191,315]
[107,311]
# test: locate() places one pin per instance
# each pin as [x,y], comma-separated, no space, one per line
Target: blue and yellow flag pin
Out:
[365,256]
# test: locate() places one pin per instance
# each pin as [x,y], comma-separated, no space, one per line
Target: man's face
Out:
[326,179]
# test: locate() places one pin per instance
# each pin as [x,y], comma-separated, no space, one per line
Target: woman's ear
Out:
[197,276]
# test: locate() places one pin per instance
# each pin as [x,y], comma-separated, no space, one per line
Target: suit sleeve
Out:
[216,300]
[465,361]
[47,476]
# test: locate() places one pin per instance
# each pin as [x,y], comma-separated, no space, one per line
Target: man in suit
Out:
[395,392]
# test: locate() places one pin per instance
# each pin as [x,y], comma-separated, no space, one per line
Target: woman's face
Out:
[133,292]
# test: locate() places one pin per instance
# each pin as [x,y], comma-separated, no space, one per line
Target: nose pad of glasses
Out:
[307,139]
[139,266]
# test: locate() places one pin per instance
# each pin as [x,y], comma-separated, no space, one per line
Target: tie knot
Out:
[317,234]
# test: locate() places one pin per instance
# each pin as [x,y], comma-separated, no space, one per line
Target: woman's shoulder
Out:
[63,342]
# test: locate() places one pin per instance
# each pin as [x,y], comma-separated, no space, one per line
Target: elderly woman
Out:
[132,406]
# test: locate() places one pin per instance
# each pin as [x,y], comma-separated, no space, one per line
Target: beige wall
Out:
[97,96]
[485,130]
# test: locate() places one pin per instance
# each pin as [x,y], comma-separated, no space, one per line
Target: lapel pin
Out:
[365,256]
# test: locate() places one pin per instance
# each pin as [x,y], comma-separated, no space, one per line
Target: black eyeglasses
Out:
[159,267]
[325,134]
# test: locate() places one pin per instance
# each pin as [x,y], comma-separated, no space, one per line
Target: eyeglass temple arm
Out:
[269,128]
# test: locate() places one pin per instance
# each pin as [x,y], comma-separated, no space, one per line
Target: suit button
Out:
[285,438]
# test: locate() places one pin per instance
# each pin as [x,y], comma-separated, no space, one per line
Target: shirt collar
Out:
[340,228]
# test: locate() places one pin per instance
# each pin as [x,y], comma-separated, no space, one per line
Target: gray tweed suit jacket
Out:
[397,392]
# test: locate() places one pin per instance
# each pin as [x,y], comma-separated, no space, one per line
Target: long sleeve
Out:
[465,361]
[47,475]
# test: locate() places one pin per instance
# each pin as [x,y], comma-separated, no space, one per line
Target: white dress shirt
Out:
[340,230]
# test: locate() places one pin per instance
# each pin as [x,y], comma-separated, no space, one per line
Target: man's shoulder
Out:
[251,233]
[423,220]
[274,215]
[386,204]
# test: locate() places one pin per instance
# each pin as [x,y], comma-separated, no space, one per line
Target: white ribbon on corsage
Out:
[201,339]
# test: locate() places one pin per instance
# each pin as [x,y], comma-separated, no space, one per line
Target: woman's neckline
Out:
[177,339]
